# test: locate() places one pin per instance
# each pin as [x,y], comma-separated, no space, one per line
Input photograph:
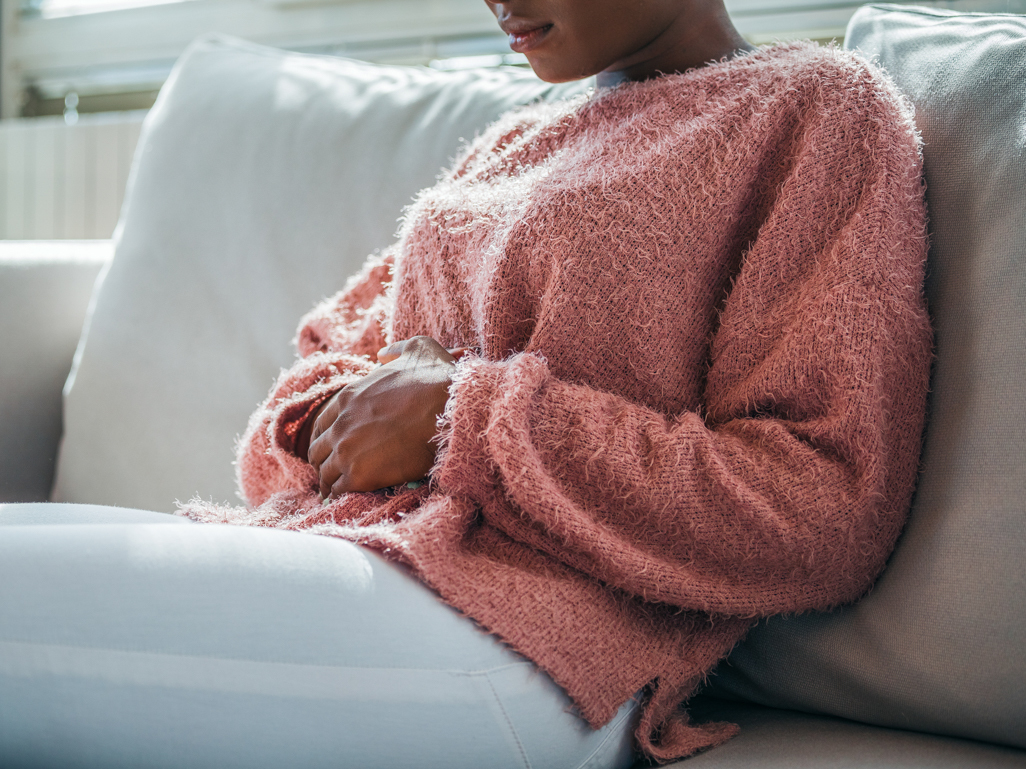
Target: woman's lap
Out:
[125,641]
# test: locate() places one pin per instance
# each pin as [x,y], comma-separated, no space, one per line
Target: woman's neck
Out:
[696,39]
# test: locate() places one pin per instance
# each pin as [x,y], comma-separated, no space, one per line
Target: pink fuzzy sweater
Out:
[701,380]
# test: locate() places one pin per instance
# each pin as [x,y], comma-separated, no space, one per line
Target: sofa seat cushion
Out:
[783,739]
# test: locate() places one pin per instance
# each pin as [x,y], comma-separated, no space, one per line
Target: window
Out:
[54,9]
[121,57]
[64,178]
[115,54]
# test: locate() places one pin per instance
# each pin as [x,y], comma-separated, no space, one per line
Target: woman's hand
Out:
[378,431]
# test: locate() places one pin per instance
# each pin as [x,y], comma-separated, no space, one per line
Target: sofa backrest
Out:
[940,643]
[262,180]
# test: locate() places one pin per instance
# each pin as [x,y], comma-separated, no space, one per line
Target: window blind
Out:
[100,48]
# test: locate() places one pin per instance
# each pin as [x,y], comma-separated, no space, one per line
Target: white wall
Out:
[112,49]
[59,181]
[137,46]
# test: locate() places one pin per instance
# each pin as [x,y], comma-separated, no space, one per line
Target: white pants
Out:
[136,639]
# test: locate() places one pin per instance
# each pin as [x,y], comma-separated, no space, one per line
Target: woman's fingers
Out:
[421,344]
[378,431]
[342,425]
[335,469]
[324,418]
[329,477]
[337,489]
[319,448]
[391,352]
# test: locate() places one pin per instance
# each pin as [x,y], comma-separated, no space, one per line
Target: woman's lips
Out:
[522,42]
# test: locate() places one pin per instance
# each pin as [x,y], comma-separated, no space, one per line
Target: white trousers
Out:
[137,639]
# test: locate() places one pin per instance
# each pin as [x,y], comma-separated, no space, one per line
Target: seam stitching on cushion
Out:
[924,11]
[509,723]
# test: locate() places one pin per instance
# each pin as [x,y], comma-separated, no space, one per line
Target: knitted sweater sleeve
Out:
[787,490]
[338,341]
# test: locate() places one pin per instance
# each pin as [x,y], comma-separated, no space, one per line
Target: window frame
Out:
[134,48]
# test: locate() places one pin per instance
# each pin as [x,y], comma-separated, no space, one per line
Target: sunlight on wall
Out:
[55,9]
[61,181]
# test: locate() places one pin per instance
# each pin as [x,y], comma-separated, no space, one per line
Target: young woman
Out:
[645,366]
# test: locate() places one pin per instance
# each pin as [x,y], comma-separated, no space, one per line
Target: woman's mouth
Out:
[522,42]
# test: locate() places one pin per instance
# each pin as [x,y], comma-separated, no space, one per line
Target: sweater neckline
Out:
[760,54]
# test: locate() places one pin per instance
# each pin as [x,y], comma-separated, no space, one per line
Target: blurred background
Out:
[77,76]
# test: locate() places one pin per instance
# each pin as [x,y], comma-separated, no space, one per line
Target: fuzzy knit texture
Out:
[703,356]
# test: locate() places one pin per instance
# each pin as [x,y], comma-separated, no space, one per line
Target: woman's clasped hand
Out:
[379,431]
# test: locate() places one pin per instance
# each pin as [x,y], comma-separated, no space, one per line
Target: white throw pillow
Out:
[261,182]
[940,643]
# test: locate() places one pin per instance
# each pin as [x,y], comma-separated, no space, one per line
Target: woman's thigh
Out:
[125,641]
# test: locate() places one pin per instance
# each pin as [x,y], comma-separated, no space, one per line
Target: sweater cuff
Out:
[266,461]
[303,390]
[291,416]
[487,401]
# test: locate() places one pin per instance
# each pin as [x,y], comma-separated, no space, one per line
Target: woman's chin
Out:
[555,74]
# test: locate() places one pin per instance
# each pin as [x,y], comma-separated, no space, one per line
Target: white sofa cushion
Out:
[261,182]
[782,739]
[940,644]
[44,292]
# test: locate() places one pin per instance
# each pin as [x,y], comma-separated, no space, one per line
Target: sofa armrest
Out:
[45,288]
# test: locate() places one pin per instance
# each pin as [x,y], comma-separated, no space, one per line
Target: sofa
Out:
[261,181]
